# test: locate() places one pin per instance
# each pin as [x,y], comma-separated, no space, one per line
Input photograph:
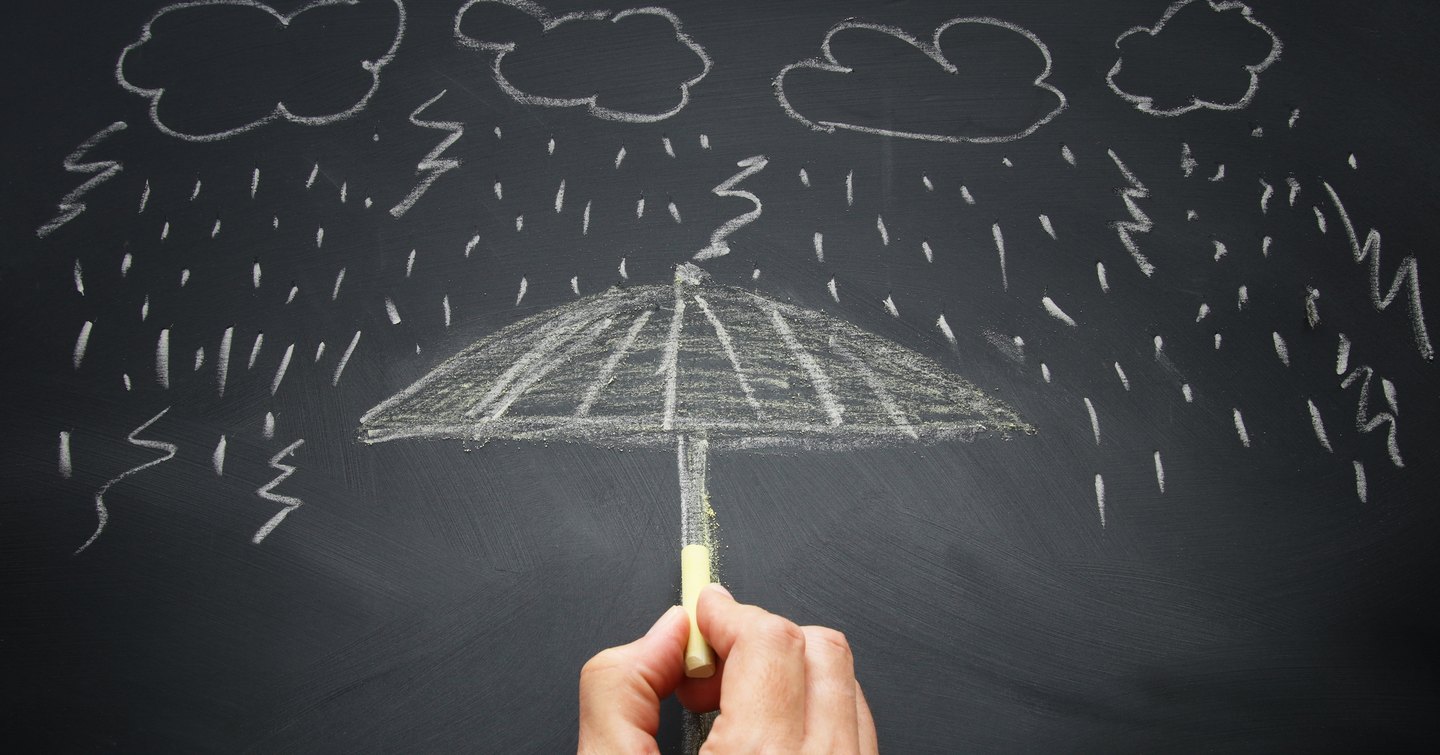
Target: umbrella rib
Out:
[818,378]
[728,345]
[872,381]
[523,386]
[559,331]
[608,370]
[671,365]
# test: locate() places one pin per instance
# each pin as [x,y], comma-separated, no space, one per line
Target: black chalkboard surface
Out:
[1071,358]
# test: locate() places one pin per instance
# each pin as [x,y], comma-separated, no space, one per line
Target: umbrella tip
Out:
[690,274]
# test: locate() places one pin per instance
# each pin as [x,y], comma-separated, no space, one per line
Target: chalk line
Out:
[268,430]
[1281,350]
[1000,250]
[927,251]
[945,330]
[890,306]
[967,196]
[1318,425]
[607,370]
[1342,356]
[82,341]
[1045,224]
[1369,424]
[345,358]
[1360,486]
[64,463]
[217,458]
[1066,154]
[1100,275]
[1056,312]
[818,379]
[289,502]
[162,358]
[255,350]
[1120,373]
[819,241]
[1240,428]
[432,166]
[728,347]
[884,234]
[1187,160]
[1094,419]
[391,312]
[1159,472]
[671,364]
[1100,498]
[520,295]
[102,513]
[70,206]
[719,246]
[1139,222]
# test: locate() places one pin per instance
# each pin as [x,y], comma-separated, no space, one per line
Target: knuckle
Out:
[828,640]
[600,665]
[780,632]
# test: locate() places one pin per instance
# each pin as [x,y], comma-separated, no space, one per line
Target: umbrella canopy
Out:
[641,366]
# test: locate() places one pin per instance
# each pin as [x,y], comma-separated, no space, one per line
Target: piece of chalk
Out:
[694,575]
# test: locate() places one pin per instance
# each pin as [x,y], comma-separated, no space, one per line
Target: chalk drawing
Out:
[1266,192]
[1187,160]
[834,290]
[1066,154]
[1240,428]
[1312,309]
[1294,189]
[719,245]
[102,513]
[1265,246]
[1242,297]
[592,102]
[144,197]
[268,429]
[64,463]
[1407,275]
[289,502]
[1045,371]
[640,207]
[1219,174]
[1046,226]
[199,359]
[280,371]
[669,148]
[217,458]
[82,342]
[884,234]
[1000,250]
[620,157]
[1294,116]
[925,180]
[1366,423]
[1146,103]
[1189,394]
[1100,498]
[339,279]
[1220,249]
[100,171]
[850,188]
[931,49]
[349,350]
[1094,419]
[1318,425]
[1056,312]
[445,308]
[927,251]
[432,166]
[1203,312]
[125,263]
[255,350]
[280,110]
[391,313]
[1319,218]
[1120,373]
[1160,472]
[319,352]
[1139,222]
[162,358]
[945,329]
[1102,278]
[890,306]
[1281,350]
[195,191]
[1360,487]
[704,141]
[1351,162]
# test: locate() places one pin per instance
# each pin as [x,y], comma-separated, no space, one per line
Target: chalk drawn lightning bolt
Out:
[1139,222]
[102,514]
[70,207]
[289,502]
[1407,274]
[719,247]
[433,166]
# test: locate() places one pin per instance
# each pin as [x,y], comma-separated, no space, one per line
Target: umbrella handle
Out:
[695,563]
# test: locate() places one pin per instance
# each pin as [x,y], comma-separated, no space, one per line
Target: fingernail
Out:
[716,586]
[660,621]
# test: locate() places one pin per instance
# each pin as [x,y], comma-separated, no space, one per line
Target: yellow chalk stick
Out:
[694,575]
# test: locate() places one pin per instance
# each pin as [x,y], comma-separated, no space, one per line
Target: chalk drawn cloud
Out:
[978,80]
[607,62]
[1199,55]
[213,69]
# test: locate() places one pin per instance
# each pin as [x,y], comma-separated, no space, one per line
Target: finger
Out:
[621,687]
[764,682]
[869,741]
[702,695]
[831,712]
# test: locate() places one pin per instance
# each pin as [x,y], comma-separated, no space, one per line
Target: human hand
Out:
[779,687]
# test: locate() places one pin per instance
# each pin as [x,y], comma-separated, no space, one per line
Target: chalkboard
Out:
[367,363]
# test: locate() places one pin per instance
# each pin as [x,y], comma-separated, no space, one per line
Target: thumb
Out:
[621,687]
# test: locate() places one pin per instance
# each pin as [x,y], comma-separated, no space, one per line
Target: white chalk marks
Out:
[290,503]
[64,464]
[102,513]
[432,166]
[741,369]
[70,206]
[82,341]
[797,86]
[200,24]
[1406,275]
[589,31]
[1139,222]
[1152,50]
[719,245]
[1056,312]
[1240,430]
[1100,498]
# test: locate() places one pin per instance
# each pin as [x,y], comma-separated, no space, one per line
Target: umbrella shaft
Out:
[693,452]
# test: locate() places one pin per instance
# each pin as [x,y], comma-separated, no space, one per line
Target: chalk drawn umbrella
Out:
[693,366]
